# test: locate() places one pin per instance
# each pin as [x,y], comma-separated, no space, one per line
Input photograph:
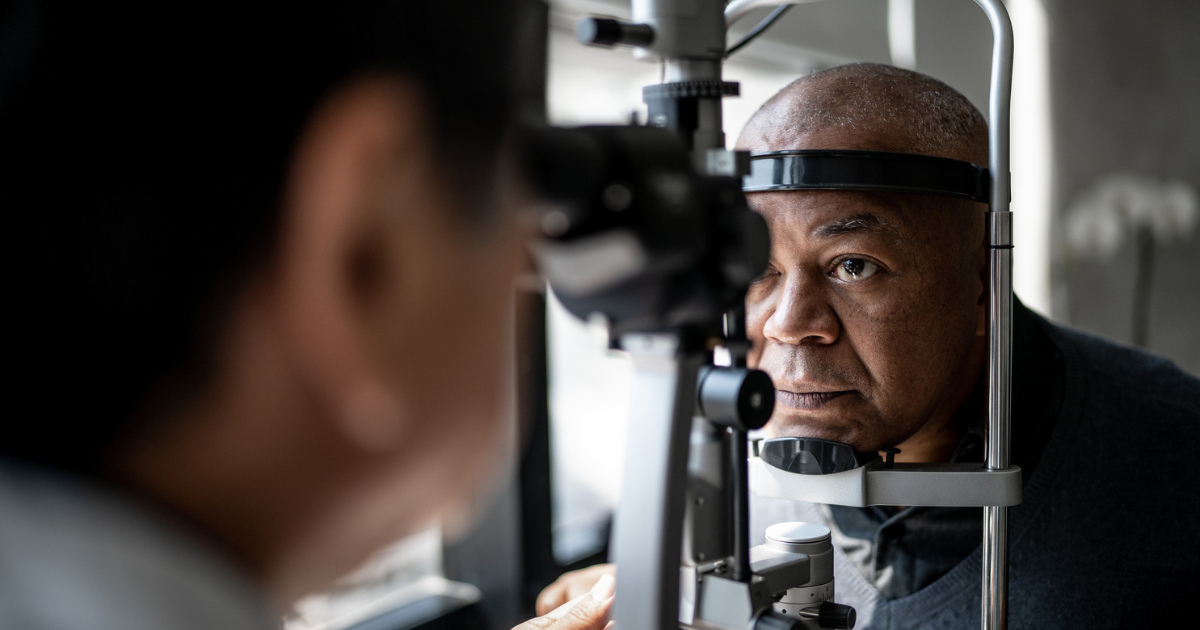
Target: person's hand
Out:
[570,586]
[588,611]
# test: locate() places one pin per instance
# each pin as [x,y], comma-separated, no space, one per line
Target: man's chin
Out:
[841,430]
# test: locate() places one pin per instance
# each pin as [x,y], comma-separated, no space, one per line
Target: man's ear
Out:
[331,246]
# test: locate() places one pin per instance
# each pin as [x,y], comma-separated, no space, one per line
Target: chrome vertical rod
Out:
[994,610]
[995,518]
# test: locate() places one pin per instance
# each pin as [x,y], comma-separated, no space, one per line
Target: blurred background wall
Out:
[1126,100]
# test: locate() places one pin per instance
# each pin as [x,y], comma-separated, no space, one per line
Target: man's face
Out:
[866,316]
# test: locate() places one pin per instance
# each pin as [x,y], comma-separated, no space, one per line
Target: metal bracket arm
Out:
[941,485]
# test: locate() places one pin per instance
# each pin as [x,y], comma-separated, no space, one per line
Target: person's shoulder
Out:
[76,553]
[1109,369]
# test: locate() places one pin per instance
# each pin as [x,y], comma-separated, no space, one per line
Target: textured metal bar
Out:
[709,132]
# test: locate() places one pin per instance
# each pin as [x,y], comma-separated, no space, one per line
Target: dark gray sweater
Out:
[1106,536]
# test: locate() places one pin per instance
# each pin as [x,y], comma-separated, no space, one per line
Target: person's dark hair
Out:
[142,152]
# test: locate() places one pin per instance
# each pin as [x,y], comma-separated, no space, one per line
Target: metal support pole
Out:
[994,610]
[995,518]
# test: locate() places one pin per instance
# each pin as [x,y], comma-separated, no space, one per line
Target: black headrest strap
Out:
[866,170]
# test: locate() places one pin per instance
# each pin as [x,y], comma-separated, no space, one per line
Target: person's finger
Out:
[583,585]
[552,597]
[590,610]
[587,612]
[570,586]
[563,608]
[600,592]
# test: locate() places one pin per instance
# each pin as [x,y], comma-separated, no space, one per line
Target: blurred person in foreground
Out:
[871,321]
[258,277]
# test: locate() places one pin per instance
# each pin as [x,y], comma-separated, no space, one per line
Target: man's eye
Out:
[767,274]
[855,269]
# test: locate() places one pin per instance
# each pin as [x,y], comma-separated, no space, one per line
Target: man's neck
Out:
[933,443]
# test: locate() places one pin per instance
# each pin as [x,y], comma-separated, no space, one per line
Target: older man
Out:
[871,321]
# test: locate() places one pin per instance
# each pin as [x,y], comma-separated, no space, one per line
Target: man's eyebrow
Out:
[865,222]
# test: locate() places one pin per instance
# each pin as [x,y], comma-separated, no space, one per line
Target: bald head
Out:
[870,107]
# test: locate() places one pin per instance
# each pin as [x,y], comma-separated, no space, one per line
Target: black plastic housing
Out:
[638,235]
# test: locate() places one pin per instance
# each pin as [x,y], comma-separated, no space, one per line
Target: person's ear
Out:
[358,142]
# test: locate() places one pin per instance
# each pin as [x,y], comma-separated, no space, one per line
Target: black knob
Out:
[890,461]
[833,615]
[609,32]
[771,620]
[739,398]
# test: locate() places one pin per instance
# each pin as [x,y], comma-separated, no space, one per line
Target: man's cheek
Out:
[754,356]
[887,306]
[756,317]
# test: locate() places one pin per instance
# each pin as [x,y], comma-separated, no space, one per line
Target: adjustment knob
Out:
[739,398]
[609,32]
[890,453]
[833,615]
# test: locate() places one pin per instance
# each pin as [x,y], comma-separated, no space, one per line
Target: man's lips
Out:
[806,401]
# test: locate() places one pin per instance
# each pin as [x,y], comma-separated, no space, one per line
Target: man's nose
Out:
[803,314]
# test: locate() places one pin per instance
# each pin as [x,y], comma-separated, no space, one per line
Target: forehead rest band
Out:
[866,170]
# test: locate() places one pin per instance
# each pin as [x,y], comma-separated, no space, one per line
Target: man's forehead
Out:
[761,139]
[831,213]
